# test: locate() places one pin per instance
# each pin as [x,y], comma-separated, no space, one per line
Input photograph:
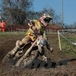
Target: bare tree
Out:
[15,11]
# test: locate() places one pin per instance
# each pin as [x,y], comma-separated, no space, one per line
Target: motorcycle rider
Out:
[35,27]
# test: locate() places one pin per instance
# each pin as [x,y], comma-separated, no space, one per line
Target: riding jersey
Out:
[38,28]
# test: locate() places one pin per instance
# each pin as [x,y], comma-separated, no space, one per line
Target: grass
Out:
[67,47]
[11,33]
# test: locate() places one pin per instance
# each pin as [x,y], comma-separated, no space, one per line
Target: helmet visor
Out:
[47,19]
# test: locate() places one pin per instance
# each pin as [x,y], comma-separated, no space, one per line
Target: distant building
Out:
[54,27]
[51,27]
[16,27]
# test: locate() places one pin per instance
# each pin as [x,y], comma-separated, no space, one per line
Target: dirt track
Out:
[58,65]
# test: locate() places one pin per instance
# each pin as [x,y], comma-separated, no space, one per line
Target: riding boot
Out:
[13,52]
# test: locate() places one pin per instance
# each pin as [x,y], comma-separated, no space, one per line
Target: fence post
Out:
[59,40]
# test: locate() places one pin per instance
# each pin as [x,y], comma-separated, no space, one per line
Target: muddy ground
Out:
[59,64]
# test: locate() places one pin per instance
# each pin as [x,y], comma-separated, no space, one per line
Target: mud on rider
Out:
[35,27]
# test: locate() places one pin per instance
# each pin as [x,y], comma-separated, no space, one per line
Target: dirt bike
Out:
[23,57]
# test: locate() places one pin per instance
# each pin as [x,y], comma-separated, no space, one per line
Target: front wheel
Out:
[29,59]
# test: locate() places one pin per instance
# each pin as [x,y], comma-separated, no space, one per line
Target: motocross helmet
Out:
[45,19]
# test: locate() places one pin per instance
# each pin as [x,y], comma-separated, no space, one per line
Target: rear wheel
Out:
[7,60]
[12,59]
